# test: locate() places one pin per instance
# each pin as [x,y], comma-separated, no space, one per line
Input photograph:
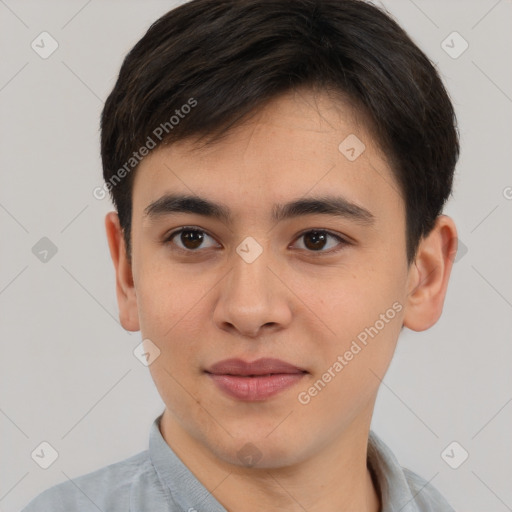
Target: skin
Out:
[291,303]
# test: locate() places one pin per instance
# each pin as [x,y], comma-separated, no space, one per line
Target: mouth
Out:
[254,381]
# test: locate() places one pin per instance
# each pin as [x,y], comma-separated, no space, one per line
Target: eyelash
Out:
[342,241]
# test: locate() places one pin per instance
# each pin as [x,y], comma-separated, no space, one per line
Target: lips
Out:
[254,381]
[264,366]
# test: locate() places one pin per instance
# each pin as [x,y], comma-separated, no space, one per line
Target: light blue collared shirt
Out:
[156,480]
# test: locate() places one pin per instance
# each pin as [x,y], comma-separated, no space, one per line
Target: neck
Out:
[336,478]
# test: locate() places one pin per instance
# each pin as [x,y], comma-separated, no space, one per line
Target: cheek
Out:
[174,305]
[170,311]
[167,299]
[365,311]
[348,302]
[347,379]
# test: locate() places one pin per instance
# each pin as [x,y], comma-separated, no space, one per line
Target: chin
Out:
[257,452]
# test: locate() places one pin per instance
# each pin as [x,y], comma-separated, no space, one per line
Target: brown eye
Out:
[189,239]
[317,240]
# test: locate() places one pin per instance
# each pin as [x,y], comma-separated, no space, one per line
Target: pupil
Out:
[191,239]
[316,236]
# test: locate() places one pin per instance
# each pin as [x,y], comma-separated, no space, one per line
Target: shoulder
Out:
[107,488]
[401,488]
[426,497]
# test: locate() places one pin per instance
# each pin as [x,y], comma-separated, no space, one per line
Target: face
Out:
[320,288]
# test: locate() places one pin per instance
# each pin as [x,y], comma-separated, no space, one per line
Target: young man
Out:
[279,171]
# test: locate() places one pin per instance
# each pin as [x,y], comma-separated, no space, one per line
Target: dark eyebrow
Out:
[174,203]
[327,205]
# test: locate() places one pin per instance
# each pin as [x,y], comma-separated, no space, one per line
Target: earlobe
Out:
[125,288]
[429,275]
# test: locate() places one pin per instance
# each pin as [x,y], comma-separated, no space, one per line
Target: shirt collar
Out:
[189,493]
[186,490]
[395,493]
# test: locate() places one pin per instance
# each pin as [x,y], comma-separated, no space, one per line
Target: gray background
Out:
[68,375]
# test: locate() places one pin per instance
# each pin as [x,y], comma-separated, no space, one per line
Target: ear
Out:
[125,289]
[429,275]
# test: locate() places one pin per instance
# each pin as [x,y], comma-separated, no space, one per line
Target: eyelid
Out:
[170,237]
[343,240]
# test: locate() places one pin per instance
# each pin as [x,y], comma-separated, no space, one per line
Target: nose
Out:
[253,300]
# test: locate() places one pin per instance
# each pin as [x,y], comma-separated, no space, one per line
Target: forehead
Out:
[298,144]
